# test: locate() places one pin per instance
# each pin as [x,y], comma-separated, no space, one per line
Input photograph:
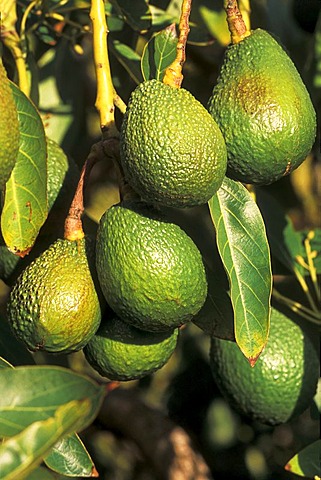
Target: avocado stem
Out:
[73,224]
[73,229]
[105,89]
[173,74]
[235,22]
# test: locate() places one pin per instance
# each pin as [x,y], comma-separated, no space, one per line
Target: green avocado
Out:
[150,271]
[263,109]
[172,151]
[53,305]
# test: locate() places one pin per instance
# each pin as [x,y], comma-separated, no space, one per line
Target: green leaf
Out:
[4,363]
[137,14]
[34,393]
[243,246]
[70,457]
[216,23]
[159,53]
[10,348]
[285,242]
[20,454]
[25,204]
[128,58]
[306,463]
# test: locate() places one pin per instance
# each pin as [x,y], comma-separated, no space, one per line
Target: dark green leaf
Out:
[243,246]
[20,454]
[25,205]
[285,242]
[159,53]
[70,457]
[37,391]
[128,58]
[10,348]
[307,462]
[137,14]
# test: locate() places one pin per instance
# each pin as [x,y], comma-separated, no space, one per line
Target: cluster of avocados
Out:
[123,297]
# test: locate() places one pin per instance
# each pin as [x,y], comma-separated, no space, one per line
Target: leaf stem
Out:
[105,89]
[312,269]
[306,290]
[297,307]
[173,74]
[235,21]
[73,224]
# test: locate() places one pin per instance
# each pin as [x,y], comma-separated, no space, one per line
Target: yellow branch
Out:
[173,75]
[105,89]
[12,42]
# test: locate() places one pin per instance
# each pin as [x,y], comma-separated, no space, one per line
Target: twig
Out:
[235,22]
[173,74]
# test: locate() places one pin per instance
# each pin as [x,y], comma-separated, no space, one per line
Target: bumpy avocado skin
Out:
[53,305]
[263,109]
[9,128]
[172,151]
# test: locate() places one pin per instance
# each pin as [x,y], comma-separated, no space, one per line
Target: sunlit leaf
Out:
[25,204]
[20,454]
[215,21]
[36,392]
[70,457]
[159,53]
[306,463]
[243,246]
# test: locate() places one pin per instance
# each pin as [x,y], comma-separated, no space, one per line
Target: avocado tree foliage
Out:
[53,52]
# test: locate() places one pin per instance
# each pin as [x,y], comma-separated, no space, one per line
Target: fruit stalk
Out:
[73,229]
[235,21]
[173,75]
[105,89]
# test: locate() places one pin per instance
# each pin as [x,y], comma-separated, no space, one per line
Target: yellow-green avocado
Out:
[53,305]
[263,110]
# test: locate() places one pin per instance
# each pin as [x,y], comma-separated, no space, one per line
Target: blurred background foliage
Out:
[58,47]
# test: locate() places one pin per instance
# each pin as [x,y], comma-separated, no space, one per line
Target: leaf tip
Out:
[171,29]
[252,360]
[288,467]
[94,472]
